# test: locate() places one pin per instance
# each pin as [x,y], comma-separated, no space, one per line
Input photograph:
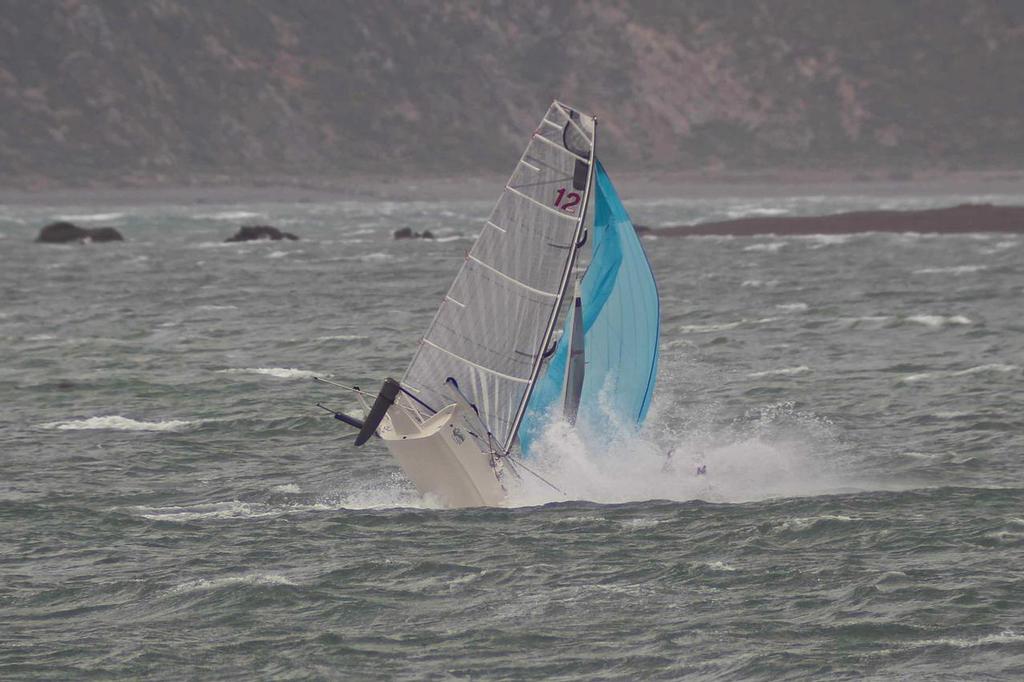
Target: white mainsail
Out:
[496,320]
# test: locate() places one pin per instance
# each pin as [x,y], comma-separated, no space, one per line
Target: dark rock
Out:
[63,232]
[105,234]
[248,233]
[407,233]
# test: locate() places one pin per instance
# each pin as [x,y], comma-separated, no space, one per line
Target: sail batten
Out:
[510,286]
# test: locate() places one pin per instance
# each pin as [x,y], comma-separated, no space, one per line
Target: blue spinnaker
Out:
[620,323]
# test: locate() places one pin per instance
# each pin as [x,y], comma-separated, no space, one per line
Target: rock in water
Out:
[248,233]
[407,233]
[63,232]
[105,234]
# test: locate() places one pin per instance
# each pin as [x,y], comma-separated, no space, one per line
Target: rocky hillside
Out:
[170,90]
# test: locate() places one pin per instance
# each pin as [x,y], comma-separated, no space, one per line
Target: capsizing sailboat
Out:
[488,375]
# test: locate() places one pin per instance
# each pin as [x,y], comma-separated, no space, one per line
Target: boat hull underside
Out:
[442,459]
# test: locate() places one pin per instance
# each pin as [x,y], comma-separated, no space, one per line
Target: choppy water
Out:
[172,505]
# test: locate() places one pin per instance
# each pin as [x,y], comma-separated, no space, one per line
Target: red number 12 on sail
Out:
[572,200]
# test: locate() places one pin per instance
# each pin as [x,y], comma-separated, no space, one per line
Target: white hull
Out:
[442,459]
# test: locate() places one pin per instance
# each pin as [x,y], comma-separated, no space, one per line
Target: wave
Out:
[722,326]
[786,371]
[340,337]
[770,247]
[987,369]
[228,215]
[204,584]
[939,321]
[117,423]
[800,524]
[951,270]
[792,307]
[377,257]
[91,217]
[1005,637]
[278,372]
[997,368]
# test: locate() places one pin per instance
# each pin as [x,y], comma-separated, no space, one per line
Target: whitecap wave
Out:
[376,257]
[255,579]
[792,307]
[228,215]
[939,321]
[722,326]
[951,270]
[277,372]
[91,217]
[117,423]
[770,247]
[785,372]
[758,284]
[804,523]
[341,337]
[988,369]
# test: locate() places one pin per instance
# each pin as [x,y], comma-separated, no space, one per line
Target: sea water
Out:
[173,505]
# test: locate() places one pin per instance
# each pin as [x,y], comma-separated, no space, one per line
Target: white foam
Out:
[785,371]
[719,566]
[117,423]
[987,369]
[939,321]
[377,257]
[792,307]
[952,270]
[211,511]
[803,523]
[821,240]
[289,488]
[757,283]
[91,217]
[341,337]
[706,328]
[770,247]
[1005,637]
[203,584]
[722,326]
[277,372]
[228,215]
[996,368]
[780,454]
[277,254]
[920,376]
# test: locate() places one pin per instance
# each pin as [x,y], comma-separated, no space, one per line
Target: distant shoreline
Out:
[486,187]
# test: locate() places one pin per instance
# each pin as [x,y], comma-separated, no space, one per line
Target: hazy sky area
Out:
[117,91]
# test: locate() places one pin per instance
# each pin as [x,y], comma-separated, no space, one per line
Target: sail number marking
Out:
[567,202]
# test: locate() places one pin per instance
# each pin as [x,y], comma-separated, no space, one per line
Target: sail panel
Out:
[489,330]
[621,327]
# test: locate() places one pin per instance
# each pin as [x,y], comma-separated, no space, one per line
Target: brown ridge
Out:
[955,219]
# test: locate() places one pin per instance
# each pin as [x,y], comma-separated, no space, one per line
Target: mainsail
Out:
[621,325]
[496,320]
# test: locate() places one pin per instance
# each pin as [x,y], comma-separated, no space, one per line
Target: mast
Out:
[563,286]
